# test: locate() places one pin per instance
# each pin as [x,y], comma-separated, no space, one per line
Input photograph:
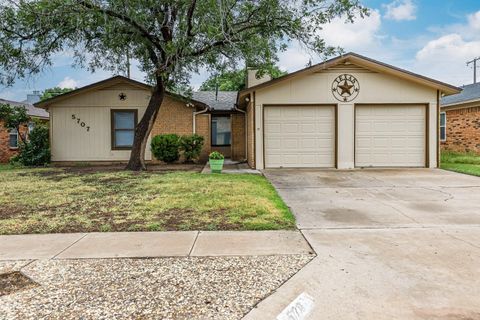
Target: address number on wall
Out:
[80,122]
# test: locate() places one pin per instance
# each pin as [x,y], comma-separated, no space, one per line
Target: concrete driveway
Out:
[390,244]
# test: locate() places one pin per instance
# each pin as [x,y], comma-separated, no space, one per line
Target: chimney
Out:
[33,97]
[252,79]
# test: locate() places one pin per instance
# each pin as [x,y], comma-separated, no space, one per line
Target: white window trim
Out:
[10,133]
[444,126]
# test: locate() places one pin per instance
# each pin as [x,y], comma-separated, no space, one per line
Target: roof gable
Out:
[113,83]
[358,62]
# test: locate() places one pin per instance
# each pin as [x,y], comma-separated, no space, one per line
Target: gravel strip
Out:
[164,288]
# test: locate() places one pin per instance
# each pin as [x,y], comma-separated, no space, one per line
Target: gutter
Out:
[195,117]
[245,128]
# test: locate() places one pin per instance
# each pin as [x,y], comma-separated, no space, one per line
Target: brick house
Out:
[10,139]
[350,111]
[460,120]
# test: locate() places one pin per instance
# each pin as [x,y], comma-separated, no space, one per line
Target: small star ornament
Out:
[345,88]
[122,96]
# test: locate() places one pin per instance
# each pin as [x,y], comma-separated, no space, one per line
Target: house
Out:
[460,120]
[9,139]
[95,123]
[347,112]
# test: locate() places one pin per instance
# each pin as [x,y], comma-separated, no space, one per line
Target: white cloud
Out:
[474,21]
[68,82]
[445,57]
[358,35]
[400,10]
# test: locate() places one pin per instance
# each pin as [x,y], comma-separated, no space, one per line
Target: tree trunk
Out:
[144,127]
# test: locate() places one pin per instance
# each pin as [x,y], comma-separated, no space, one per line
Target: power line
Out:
[474,61]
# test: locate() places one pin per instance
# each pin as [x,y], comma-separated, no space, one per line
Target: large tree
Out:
[234,80]
[169,38]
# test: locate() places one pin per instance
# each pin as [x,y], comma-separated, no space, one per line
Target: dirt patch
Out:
[189,219]
[15,281]
[8,211]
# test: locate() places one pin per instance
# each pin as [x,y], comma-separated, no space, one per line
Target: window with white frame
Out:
[13,139]
[443,126]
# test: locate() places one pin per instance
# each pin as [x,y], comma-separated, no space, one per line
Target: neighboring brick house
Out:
[10,139]
[460,120]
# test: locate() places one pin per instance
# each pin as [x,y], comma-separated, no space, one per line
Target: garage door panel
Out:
[390,136]
[307,136]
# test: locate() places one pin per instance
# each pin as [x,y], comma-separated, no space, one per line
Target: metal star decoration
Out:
[122,96]
[345,87]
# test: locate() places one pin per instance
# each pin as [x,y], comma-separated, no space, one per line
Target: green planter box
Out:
[216,166]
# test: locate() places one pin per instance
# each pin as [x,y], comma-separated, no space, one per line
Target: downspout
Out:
[245,128]
[195,117]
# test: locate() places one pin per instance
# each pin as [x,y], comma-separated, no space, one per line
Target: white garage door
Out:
[299,136]
[390,136]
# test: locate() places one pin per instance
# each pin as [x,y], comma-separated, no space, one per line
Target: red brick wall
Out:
[463,130]
[238,136]
[176,117]
[5,151]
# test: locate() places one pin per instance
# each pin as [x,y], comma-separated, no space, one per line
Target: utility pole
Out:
[474,61]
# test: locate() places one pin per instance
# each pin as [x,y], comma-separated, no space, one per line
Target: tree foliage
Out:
[169,38]
[14,118]
[234,80]
[53,92]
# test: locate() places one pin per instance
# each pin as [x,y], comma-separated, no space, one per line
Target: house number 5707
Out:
[80,122]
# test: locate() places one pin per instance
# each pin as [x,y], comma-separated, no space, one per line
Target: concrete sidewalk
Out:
[152,244]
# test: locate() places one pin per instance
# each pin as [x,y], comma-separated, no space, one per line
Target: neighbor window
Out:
[443,126]
[221,132]
[31,125]
[13,139]
[123,128]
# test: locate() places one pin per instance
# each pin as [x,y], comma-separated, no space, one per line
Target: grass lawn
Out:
[461,162]
[52,200]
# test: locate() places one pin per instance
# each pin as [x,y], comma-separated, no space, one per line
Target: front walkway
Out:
[152,244]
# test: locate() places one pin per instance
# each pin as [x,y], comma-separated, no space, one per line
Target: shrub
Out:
[166,147]
[191,146]
[215,155]
[36,151]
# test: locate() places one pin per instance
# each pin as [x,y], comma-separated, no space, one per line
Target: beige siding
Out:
[71,142]
[375,88]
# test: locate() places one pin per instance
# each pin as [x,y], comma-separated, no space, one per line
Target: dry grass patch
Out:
[60,200]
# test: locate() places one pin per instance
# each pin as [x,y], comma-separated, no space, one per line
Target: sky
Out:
[434,38]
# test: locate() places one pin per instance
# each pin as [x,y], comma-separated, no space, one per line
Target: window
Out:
[31,125]
[123,128]
[221,132]
[13,139]
[443,126]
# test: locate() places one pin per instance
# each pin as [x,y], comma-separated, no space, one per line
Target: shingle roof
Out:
[224,101]
[31,110]
[470,92]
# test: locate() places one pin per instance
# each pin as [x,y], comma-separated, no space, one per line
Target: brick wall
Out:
[5,151]
[238,136]
[463,130]
[202,124]
[250,136]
